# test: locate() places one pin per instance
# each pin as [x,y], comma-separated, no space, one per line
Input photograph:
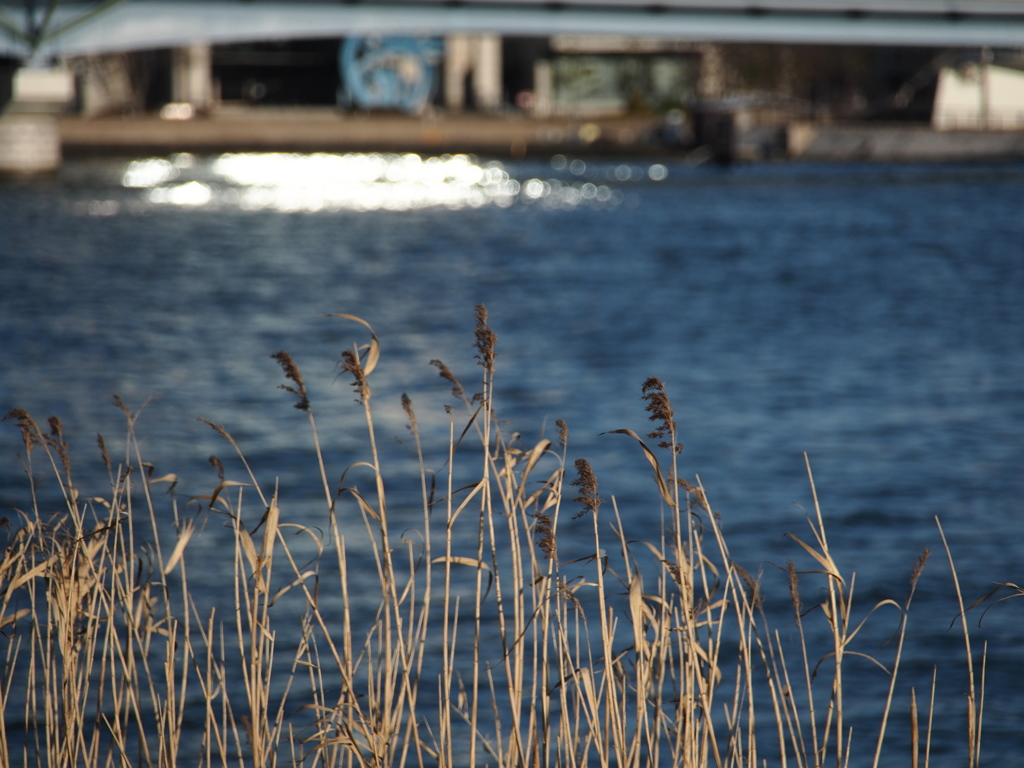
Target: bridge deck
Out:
[147,24]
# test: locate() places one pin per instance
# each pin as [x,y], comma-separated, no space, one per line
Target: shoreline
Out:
[302,130]
[512,137]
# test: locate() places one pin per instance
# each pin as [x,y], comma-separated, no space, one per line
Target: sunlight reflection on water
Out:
[365,182]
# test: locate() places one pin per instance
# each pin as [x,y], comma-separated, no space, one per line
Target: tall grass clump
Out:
[519,622]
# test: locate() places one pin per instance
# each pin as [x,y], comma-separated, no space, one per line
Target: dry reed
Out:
[483,647]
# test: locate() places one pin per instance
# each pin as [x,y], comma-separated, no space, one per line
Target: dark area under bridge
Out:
[29,28]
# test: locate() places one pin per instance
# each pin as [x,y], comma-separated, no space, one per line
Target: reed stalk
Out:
[499,634]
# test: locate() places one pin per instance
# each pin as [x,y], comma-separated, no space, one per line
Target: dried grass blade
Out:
[534,456]
[247,545]
[363,503]
[472,562]
[289,587]
[658,476]
[373,355]
[270,523]
[476,489]
[224,484]
[864,621]
[638,611]
[183,538]
[830,567]
[28,575]
[15,617]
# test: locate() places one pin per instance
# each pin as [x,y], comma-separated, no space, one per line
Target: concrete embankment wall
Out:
[502,136]
[331,131]
[904,144]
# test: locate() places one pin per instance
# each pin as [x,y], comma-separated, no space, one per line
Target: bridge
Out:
[41,33]
[32,29]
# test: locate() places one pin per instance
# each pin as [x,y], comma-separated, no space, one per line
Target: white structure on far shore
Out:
[979,96]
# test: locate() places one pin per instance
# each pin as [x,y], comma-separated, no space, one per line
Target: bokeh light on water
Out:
[289,182]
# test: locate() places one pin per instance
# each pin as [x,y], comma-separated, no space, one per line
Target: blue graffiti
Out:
[389,72]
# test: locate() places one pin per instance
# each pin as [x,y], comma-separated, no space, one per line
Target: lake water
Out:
[870,316]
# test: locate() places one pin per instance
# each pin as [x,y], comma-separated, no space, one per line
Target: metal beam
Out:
[41,25]
[142,25]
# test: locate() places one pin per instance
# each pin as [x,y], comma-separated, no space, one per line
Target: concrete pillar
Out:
[788,71]
[476,61]
[29,135]
[192,76]
[543,88]
[985,66]
[29,144]
[456,67]
[711,77]
[487,85]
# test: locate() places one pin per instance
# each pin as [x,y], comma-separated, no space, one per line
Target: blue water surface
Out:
[871,317]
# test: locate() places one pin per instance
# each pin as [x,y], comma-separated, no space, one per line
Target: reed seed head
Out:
[407,407]
[291,372]
[567,593]
[103,451]
[215,463]
[545,531]
[660,408]
[216,428]
[486,340]
[919,564]
[675,572]
[56,441]
[563,432]
[794,587]
[30,433]
[445,373]
[586,481]
[350,363]
[753,585]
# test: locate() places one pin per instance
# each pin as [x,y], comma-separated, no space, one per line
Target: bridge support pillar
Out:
[543,88]
[711,74]
[476,59]
[192,76]
[30,142]
[29,145]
